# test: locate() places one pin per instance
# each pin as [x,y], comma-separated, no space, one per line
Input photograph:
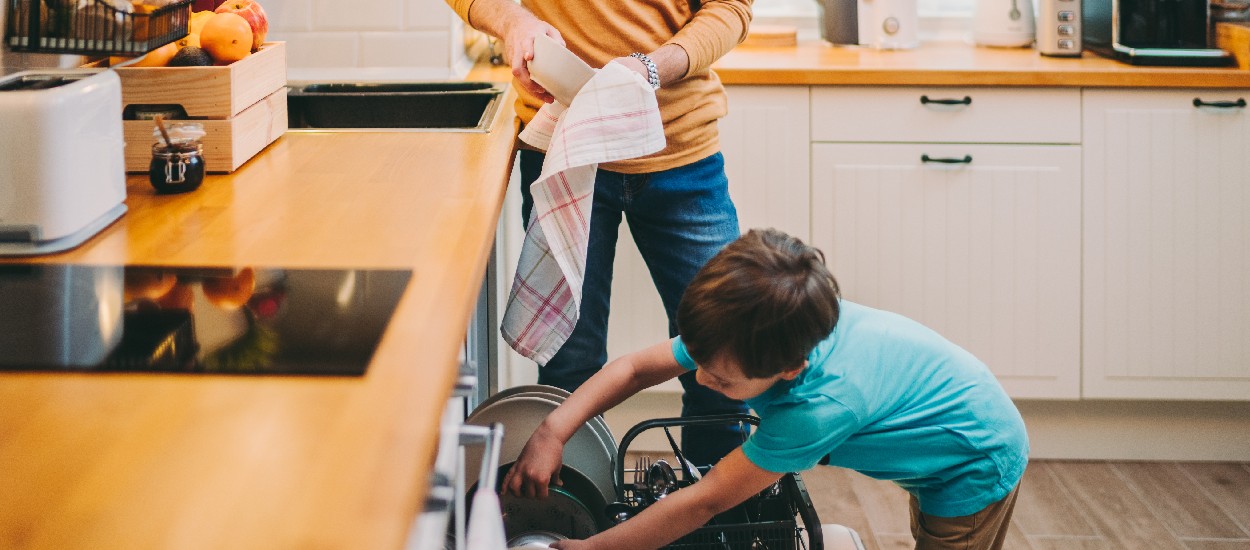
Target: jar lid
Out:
[180,132]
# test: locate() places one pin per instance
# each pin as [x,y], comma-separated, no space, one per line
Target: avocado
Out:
[190,56]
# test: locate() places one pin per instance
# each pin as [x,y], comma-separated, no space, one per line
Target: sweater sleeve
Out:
[461,7]
[714,30]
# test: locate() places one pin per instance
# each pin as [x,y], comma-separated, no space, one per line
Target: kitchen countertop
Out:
[216,461]
[815,62]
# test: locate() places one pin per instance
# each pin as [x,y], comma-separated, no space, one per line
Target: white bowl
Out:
[558,70]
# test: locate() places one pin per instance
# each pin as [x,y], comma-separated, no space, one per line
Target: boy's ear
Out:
[793,373]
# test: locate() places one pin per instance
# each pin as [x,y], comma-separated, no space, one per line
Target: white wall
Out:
[369,39]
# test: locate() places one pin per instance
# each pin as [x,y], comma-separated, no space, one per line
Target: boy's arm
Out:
[541,459]
[733,480]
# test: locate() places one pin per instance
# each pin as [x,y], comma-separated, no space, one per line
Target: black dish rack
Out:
[767,521]
[93,27]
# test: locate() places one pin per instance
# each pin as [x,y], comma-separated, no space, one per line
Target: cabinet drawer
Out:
[986,251]
[946,115]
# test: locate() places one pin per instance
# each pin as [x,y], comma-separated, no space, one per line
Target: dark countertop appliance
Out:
[223,320]
[1152,32]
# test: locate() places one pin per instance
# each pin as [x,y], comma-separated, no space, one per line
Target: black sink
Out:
[420,106]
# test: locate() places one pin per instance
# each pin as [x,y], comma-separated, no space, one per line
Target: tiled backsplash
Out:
[382,39]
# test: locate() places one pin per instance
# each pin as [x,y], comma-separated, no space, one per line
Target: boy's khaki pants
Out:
[984,530]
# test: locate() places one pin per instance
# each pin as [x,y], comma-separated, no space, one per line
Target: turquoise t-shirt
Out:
[887,397]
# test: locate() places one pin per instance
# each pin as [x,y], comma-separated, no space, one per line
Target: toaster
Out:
[62,164]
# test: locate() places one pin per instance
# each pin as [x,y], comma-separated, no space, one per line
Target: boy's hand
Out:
[537,467]
[572,545]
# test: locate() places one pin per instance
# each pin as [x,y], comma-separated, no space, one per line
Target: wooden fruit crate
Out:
[242,106]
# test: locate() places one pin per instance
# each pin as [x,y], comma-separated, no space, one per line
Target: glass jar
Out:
[177,165]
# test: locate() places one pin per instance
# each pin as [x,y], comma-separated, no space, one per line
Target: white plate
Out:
[552,393]
[521,414]
[558,70]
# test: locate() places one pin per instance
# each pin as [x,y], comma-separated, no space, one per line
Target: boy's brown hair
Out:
[766,299]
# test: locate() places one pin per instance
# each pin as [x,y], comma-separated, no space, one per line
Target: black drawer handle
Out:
[966,160]
[967,100]
[1239,104]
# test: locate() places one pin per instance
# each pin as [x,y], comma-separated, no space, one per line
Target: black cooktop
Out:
[239,320]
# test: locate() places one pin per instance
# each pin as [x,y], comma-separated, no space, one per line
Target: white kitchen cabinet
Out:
[766,144]
[987,252]
[1166,245]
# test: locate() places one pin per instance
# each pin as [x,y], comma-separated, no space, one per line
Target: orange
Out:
[230,293]
[181,296]
[227,37]
[147,284]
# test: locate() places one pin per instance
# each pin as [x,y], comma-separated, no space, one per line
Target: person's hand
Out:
[572,545]
[518,44]
[634,64]
[537,467]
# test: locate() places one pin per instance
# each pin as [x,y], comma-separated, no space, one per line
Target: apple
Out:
[253,13]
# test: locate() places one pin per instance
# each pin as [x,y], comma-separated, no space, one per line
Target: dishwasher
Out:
[596,493]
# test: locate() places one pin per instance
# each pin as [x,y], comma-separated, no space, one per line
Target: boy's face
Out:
[723,374]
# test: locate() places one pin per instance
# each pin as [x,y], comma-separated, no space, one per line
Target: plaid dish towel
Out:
[614,117]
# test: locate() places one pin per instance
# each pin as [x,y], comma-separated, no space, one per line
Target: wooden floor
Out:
[1072,505]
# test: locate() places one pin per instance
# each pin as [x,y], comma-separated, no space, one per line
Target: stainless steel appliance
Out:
[1151,32]
[64,176]
[1059,28]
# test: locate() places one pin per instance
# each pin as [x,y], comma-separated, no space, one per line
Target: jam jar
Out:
[177,165]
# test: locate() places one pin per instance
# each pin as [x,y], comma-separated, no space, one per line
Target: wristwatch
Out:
[653,74]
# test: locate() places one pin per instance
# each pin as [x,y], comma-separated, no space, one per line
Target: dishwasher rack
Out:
[768,521]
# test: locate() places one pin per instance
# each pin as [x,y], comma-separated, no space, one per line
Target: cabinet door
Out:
[1167,245]
[765,140]
[986,252]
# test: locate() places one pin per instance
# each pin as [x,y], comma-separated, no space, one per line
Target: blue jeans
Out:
[679,218]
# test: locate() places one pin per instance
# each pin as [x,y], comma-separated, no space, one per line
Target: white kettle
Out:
[1004,23]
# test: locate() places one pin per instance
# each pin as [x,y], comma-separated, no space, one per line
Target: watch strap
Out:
[653,74]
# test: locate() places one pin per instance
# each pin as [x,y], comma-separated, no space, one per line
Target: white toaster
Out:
[62,164]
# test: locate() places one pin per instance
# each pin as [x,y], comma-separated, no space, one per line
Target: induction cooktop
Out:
[205,320]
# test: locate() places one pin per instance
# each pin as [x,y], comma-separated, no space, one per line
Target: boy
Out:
[833,383]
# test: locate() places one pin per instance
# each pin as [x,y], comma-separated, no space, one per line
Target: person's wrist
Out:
[653,72]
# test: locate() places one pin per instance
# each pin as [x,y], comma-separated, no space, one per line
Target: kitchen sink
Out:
[408,106]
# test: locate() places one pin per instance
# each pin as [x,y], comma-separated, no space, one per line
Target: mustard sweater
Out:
[599,31]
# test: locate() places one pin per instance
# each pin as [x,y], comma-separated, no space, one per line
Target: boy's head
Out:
[763,303]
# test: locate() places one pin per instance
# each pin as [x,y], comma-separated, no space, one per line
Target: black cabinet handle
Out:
[966,160]
[1240,103]
[967,100]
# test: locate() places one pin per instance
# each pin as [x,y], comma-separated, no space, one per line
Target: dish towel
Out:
[614,117]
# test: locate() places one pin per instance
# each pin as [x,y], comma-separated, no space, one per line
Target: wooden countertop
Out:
[814,62]
[180,461]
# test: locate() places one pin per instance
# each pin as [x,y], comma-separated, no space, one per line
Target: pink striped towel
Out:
[614,117]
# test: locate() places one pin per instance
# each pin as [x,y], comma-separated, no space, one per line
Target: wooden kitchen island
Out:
[134,461]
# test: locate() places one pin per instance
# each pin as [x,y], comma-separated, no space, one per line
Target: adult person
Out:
[676,201]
